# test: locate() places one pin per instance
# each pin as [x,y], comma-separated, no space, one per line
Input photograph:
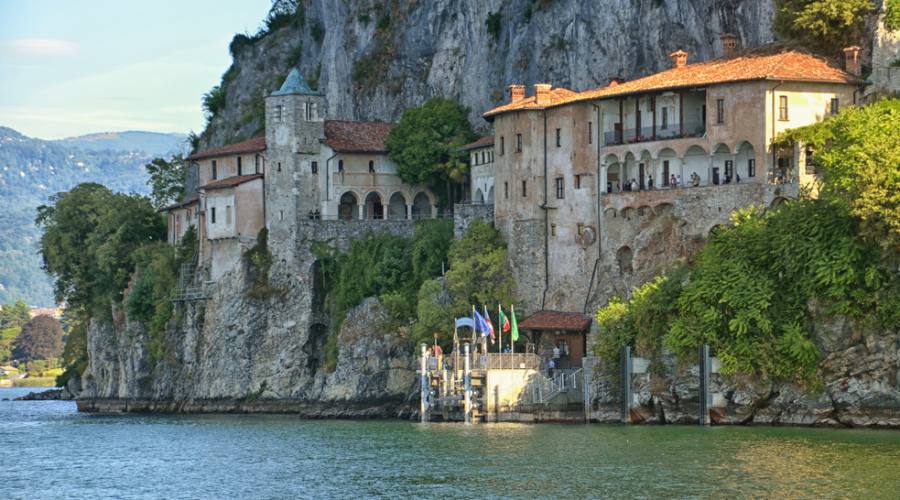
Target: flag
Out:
[490,326]
[503,321]
[481,326]
[515,324]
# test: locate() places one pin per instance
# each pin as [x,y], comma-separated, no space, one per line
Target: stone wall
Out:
[464,214]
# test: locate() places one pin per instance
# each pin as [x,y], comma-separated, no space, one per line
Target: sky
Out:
[71,67]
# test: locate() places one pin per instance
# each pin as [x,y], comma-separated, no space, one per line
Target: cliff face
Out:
[235,353]
[372,60]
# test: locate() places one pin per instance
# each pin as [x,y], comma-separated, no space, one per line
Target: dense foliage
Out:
[825,26]
[41,338]
[892,15]
[858,154]
[167,179]
[426,142]
[753,290]
[12,317]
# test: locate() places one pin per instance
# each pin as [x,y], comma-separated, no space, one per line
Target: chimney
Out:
[729,44]
[615,80]
[679,58]
[541,91]
[516,93]
[851,60]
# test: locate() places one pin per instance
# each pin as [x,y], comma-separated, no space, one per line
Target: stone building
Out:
[585,192]
[306,168]
[481,164]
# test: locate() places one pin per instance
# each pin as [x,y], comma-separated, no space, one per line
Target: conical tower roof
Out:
[295,84]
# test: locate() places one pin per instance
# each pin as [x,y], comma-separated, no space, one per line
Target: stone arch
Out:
[479,197]
[644,210]
[610,212]
[625,260]
[629,168]
[777,202]
[644,174]
[695,161]
[397,206]
[667,165]
[626,212]
[743,156]
[490,198]
[722,168]
[347,208]
[421,206]
[374,207]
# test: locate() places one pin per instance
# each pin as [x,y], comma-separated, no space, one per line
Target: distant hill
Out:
[152,143]
[32,170]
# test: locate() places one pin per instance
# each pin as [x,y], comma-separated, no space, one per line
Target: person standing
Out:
[650,182]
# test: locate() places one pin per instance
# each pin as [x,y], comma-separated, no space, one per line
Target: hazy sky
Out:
[69,67]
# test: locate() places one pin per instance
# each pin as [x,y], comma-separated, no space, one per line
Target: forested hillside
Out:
[31,171]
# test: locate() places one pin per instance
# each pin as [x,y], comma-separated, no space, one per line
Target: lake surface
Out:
[51,451]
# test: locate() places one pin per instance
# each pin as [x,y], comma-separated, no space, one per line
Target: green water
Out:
[51,451]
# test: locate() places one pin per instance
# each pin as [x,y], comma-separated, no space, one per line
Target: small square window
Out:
[314,166]
[578,181]
[212,215]
[720,111]
[783,108]
[835,105]
[506,190]
[590,132]
[558,137]
[553,230]
[524,189]
[518,143]
[502,146]
[279,166]
[560,188]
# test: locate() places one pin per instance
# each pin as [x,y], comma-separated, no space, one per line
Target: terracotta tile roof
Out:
[181,204]
[356,137]
[254,145]
[554,96]
[771,62]
[556,320]
[484,142]
[230,182]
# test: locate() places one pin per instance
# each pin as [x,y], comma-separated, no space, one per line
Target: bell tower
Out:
[295,128]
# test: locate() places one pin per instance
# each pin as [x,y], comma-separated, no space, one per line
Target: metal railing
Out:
[489,361]
[336,217]
[545,388]
[645,134]
[188,288]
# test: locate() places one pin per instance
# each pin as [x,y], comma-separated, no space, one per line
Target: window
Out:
[506,190]
[278,113]
[524,189]
[215,173]
[474,158]
[212,215]
[314,166]
[810,163]
[228,214]
[256,160]
[371,166]
[783,108]
[590,132]
[482,157]
[729,169]
[665,118]
[835,105]
[720,111]
[502,146]
[751,167]
[665,173]
[281,214]
[552,229]
[558,137]
[279,166]
[518,143]
[340,165]
[560,188]
[240,167]
[578,181]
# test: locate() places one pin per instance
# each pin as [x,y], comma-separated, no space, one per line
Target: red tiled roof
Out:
[181,204]
[254,145]
[356,137]
[772,62]
[230,182]
[484,142]
[556,320]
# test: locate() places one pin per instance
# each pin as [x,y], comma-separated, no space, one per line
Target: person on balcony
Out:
[634,185]
[673,182]
[650,182]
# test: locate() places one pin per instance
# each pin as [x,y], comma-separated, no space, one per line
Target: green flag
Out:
[514,324]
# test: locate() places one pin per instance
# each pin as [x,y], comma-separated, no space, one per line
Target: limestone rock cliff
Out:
[236,353]
[372,59]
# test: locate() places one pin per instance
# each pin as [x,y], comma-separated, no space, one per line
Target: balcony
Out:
[645,134]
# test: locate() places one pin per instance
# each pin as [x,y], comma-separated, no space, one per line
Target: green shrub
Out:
[493,24]
[214,101]
[825,26]
[260,260]
[892,15]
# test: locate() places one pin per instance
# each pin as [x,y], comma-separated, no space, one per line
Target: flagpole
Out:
[512,345]
[500,331]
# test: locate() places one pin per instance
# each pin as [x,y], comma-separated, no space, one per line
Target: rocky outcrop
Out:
[860,387]
[372,61]
[234,353]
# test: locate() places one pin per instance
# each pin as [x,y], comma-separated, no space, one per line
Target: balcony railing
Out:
[645,134]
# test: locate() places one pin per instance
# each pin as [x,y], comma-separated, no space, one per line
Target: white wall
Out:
[224,226]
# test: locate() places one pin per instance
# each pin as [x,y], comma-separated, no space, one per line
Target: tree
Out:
[41,338]
[425,144]
[14,315]
[825,26]
[89,242]
[858,155]
[166,180]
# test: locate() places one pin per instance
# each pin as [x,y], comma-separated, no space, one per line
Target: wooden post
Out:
[627,391]
[704,385]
